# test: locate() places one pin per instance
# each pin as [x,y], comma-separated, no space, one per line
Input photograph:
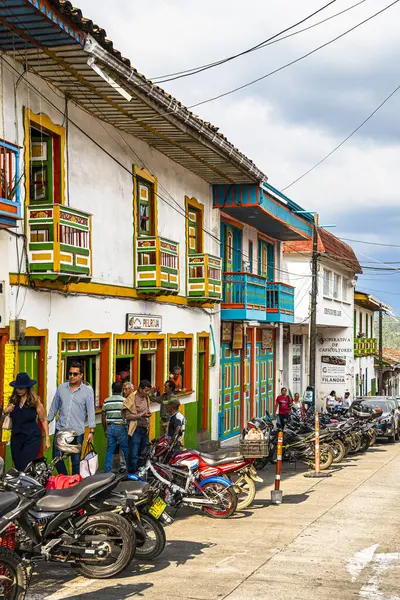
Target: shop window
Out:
[88,353]
[180,355]
[45,166]
[124,360]
[145,207]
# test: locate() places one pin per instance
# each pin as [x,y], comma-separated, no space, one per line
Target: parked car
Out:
[388,426]
[395,403]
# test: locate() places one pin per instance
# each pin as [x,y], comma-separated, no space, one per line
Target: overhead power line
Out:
[371,243]
[200,68]
[338,37]
[345,139]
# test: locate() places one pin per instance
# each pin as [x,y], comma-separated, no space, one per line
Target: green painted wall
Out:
[190,440]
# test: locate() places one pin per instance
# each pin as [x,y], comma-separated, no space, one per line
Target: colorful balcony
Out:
[59,243]
[157,266]
[280,303]
[10,206]
[204,278]
[365,347]
[244,297]
[249,297]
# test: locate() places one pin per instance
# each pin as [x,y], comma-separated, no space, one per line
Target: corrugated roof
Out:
[330,246]
[151,115]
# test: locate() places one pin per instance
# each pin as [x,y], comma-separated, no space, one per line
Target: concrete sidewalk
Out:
[330,538]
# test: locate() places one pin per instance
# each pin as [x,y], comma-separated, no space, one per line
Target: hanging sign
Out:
[267,338]
[226,337]
[143,323]
[237,343]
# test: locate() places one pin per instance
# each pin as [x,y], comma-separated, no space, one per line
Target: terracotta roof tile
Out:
[391,356]
[329,245]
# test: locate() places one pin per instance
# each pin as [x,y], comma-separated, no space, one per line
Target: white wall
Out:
[364,366]
[98,185]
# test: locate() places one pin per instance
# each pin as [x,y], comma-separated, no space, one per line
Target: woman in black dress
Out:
[24,409]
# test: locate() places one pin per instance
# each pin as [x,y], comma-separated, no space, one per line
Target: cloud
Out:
[291,120]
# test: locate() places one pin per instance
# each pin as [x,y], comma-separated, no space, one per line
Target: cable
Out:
[345,139]
[371,243]
[200,68]
[241,87]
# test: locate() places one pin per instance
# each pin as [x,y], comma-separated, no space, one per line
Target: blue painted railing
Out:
[247,296]
[10,205]
[280,303]
[244,290]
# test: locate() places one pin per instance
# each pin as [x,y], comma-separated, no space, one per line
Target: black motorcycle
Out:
[136,501]
[56,525]
[14,571]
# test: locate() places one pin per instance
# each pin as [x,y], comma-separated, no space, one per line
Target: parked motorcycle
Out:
[180,484]
[132,500]
[232,466]
[14,571]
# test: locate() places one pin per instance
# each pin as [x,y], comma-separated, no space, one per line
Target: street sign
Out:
[143,323]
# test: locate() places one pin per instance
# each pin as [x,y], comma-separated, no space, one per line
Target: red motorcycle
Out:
[240,471]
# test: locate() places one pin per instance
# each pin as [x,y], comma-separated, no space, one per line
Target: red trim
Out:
[252,337]
[231,221]
[104,390]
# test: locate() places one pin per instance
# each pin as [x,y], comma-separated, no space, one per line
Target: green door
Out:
[28,358]
[200,389]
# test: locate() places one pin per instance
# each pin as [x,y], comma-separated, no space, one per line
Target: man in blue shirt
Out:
[74,403]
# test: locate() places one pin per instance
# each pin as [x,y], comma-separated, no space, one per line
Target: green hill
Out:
[390,331]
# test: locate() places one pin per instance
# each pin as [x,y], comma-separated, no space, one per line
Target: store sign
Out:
[335,354]
[237,342]
[333,312]
[143,323]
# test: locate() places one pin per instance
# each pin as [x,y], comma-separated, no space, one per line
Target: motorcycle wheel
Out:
[227,497]
[155,540]
[373,439]
[245,489]
[365,443]
[114,529]
[325,457]
[339,451]
[13,576]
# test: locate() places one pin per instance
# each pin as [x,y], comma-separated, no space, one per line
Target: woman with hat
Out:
[24,409]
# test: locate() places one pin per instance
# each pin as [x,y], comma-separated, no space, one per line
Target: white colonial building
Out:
[337,269]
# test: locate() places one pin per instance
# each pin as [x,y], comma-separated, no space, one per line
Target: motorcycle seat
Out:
[58,500]
[222,459]
[133,488]
[8,501]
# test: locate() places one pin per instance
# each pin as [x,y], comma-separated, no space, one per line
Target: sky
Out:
[291,120]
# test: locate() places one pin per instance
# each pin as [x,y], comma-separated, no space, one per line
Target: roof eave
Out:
[174,110]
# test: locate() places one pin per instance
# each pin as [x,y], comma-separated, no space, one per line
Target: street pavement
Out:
[335,539]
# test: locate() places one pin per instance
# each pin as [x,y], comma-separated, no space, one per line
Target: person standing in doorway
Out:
[24,409]
[169,388]
[136,411]
[74,403]
[176,377]
[296,404]
[114,425]
[282,408]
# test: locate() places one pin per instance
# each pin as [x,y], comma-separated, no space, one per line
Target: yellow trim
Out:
[42,256]
[46,123]
[194,203]
[66,258]
[83,335]
[80,260]
[99,289]
[146,176]
[149,275]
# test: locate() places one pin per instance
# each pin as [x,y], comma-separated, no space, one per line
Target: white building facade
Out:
[337,268]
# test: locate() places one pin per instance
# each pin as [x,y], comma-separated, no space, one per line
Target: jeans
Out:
[138,443]
[75,458]
[115,434]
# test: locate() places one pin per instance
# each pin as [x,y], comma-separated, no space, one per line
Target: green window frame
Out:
[145,207]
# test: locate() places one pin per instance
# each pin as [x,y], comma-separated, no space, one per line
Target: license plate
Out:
[157,508]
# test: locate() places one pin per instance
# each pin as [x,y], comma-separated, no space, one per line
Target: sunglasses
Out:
[72,374]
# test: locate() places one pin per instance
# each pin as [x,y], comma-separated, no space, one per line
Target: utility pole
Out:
[380,342]
[313,309]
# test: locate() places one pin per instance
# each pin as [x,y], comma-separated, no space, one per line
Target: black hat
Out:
[23,381]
